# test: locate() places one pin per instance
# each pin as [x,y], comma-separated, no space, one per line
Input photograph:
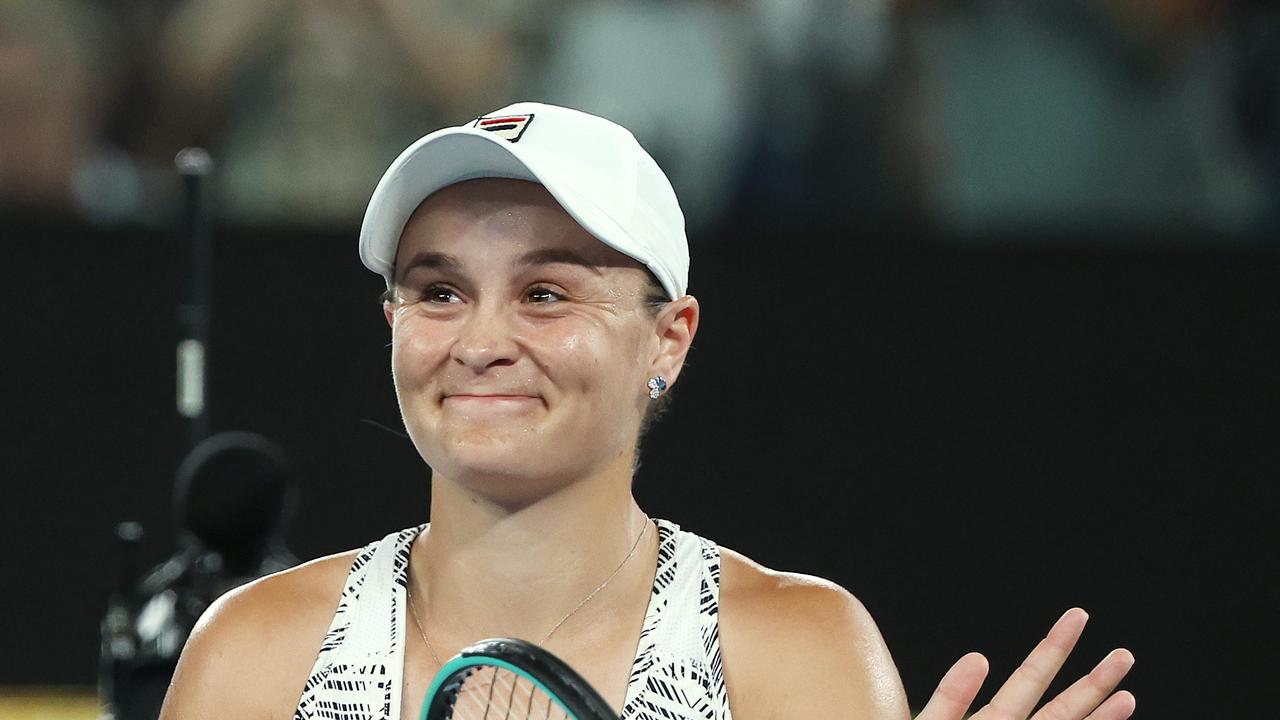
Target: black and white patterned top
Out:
[676,675]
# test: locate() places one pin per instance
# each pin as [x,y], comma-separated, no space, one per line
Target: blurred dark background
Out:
[990,293]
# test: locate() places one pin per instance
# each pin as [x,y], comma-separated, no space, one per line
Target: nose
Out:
[485,340]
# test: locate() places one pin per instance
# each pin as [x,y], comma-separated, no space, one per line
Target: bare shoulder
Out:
[252,650]
[801,646]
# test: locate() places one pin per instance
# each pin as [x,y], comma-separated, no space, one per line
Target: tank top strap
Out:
[359,670]
[678,674]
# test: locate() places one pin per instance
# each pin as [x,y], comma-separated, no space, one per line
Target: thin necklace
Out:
[413,608]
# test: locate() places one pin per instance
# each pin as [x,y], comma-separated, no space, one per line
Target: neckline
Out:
[666,547]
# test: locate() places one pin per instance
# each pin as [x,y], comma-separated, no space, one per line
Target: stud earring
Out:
[656,386]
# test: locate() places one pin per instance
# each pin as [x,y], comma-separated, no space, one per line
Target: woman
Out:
[536,267]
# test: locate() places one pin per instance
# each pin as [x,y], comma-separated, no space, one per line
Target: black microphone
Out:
[235,493]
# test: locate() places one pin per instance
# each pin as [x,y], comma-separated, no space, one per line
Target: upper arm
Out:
[250,653]
[800,647]
[214,677]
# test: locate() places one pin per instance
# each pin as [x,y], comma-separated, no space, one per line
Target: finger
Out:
[1020,693]
[957,689]
[1117,707]
[1089,691]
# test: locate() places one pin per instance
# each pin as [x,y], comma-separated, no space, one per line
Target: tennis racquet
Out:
[512,679]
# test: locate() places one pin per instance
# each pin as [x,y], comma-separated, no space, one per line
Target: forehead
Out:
[496,219]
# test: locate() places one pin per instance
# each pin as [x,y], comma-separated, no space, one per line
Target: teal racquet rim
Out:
[463,662]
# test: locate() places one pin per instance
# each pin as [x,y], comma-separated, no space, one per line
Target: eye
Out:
[543,295]
[436,293]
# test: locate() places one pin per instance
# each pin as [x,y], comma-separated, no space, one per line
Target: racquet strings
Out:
[495,693]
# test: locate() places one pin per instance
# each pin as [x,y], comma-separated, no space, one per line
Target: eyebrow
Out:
[431,261]
[552,256]
[545,256]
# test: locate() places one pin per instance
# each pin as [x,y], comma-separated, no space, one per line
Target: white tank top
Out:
[676,674]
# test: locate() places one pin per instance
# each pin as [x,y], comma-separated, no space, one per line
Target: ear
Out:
[388,304]
[676,328]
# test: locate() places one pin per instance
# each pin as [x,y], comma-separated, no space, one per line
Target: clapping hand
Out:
[1092,697]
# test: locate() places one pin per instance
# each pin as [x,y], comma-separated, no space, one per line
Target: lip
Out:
[491,403]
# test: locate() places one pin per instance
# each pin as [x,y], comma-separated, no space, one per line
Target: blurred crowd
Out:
[976,117]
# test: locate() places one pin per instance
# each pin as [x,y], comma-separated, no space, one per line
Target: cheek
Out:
[603,360]
[573,344]
[416,350]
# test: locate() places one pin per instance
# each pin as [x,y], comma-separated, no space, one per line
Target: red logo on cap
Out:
[507,127]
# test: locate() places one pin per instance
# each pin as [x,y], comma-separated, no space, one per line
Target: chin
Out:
[502,469]
[487,452]
[508,483]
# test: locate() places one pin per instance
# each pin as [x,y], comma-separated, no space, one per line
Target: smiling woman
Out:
[521,344]
[522,253]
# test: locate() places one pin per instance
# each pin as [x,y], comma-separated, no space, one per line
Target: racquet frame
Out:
[547,672]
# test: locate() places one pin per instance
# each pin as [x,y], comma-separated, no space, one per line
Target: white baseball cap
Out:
[594,168]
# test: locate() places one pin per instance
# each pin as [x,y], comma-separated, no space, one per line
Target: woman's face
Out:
[521,344]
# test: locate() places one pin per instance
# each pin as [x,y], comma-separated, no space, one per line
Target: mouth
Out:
[488,396]
[491,403]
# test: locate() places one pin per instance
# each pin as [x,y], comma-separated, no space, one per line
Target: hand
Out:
[1090,697]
